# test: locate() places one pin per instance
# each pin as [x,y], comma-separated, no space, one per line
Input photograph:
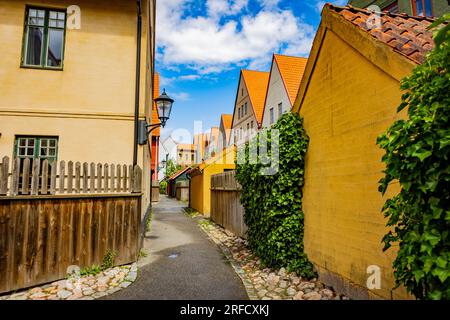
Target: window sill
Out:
[41,68]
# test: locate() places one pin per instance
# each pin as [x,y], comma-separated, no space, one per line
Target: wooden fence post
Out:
[137,185]
[4,175]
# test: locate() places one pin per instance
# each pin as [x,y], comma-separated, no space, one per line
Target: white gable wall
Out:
[276,94]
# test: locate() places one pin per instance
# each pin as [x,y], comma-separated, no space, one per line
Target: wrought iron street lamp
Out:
[164,108]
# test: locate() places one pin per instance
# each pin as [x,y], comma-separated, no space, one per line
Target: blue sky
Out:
[202,45]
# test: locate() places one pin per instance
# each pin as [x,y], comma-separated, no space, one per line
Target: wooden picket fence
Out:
[37,177]
[226,207]
[54,215]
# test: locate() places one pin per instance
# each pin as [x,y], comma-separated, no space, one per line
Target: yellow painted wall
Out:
[200,190]
[196,192]
[90,104]
[348,103]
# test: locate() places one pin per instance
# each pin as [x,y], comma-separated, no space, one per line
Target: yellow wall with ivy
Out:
[348,103]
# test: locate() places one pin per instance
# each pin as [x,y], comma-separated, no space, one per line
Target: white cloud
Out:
[319,4]
[189,77]
[181,96]
[217,8]
[207,45]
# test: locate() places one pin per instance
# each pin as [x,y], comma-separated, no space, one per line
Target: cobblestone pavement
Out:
[81,288]
[264,283]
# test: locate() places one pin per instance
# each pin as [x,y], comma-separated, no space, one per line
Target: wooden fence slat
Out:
[44,181]
[113,178]
[130,179]
[77,177]
[70,177]
[119,178]
[62,177]
[106,173]
[85,177]
[99,178]
[26,176]
[15,178]
[92,178]
[4,176]
[53,174]
[125,178]
[35,177]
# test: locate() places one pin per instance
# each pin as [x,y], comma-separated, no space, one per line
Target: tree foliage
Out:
[273,203]
[172,168]
[417,156]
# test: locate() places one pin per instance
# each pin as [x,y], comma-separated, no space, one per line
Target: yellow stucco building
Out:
[349,95]
[67,80]
[200,179]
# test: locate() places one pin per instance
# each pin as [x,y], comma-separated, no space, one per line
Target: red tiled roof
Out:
[291,70]
[178,173]
[256,83]
[226,120]
[407,35]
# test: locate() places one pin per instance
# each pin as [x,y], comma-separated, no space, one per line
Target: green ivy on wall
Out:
[417,156]
[273,203]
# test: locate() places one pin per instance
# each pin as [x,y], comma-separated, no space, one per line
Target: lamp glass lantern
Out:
[164,107]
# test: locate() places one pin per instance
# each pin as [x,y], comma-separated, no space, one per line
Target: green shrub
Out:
[162,187]
[273,203]
[417,156]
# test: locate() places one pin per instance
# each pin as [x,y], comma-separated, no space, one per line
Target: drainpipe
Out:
[138,80]
[188,176]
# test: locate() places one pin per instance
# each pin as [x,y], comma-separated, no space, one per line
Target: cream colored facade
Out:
[89,105]
[244,119]
[186,154]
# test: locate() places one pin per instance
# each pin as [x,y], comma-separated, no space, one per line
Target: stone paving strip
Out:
[83,288]
[264,283]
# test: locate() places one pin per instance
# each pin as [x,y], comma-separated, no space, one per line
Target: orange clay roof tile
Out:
[226,120]
[291,70]
[256,83]
[407,35]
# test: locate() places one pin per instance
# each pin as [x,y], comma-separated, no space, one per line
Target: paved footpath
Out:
[182,262]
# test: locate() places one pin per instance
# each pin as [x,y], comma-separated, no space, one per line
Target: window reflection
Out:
[55,43]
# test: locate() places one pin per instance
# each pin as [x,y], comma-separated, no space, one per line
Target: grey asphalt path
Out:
[182,263]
